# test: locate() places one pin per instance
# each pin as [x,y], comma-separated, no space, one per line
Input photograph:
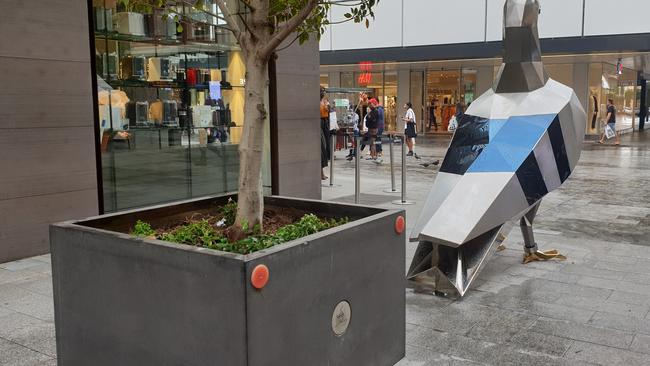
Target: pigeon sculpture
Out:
[514,144]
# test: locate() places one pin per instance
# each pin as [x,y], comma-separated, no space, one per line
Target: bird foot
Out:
[539,256]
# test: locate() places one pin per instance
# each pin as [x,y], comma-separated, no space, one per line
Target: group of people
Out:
[369,125]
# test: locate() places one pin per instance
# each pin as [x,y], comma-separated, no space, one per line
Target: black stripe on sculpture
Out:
[559,149]
[470,138]
[531,179]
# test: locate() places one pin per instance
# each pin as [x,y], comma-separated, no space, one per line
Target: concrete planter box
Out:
[121,300]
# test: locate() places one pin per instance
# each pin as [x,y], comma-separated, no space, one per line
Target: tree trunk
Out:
[251,200]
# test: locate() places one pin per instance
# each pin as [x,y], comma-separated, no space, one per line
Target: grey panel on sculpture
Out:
[514,145]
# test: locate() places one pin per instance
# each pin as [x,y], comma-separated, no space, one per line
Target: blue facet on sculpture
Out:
[514,144]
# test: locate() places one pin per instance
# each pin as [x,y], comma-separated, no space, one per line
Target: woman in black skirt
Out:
[324,134]
[410,131]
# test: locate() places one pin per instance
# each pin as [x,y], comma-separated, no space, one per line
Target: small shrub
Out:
[229,212]
[142,229]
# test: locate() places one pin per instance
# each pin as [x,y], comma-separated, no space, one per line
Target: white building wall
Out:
[403,23]
[462,21]
[616,17]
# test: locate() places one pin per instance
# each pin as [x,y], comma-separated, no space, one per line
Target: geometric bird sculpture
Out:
[514,144]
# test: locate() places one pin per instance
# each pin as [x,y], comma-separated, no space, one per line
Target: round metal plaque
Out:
[341,318]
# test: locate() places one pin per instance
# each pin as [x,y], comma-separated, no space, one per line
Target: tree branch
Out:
[232,21]
[287,27]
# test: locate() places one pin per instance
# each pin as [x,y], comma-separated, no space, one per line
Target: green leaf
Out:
[367,23]
[347,15]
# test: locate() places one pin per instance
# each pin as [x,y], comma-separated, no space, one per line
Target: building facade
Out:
[441,55]
[107,107]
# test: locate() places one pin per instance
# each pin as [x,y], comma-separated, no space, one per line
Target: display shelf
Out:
[161,41]
[159,85]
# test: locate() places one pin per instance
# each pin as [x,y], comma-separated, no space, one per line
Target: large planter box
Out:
[121,300]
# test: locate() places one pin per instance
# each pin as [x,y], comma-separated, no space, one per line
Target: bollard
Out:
[403,201]
[357,170]
[392,189]
[332,148]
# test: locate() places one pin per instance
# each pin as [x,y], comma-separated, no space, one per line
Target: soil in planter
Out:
[208,228]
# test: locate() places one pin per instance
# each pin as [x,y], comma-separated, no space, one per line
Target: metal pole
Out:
[357,171]
[403,201]
[332,147]
[392,166]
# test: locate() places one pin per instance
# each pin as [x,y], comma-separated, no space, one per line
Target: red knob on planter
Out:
[400,224]
[260,276]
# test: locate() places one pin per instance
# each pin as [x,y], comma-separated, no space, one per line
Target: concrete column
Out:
[298,133]
[484,79]
[581,87]
[403,90]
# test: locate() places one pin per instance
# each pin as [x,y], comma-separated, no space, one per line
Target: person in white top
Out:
[410,131]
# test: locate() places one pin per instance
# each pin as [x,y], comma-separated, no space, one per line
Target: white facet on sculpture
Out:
[514,144]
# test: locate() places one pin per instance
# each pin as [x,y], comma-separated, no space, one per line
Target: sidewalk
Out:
[592,309]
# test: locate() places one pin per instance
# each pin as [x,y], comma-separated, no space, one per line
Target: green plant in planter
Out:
[203,234]
[143,229]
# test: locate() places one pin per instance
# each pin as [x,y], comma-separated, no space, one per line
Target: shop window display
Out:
[171,103]
[606,82]
[443,95]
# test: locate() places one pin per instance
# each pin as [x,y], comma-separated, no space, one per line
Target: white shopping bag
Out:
[609,132]
[334,125]
[453,124]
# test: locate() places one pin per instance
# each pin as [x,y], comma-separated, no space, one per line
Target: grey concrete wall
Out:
[47,164]
[298,87]
[484,79]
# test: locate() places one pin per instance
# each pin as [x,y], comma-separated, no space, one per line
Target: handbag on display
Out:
[133,68]
[160,68]
[129,23]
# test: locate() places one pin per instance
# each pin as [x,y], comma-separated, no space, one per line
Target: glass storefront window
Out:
[389,101]
[324,80]
[443,98]
[416,97]
[347,80]
[171,103]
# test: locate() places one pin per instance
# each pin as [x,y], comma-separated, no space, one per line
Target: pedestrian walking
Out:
[410,130]
[611,122]
[324,135]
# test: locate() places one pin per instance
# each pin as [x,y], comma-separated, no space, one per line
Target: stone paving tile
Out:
[589,271]
[620,322]
[21,264]
[41,285]
[30,332]
[47,258]
[606,306]
[12,354]
[606,356]
[7,276]
[641,344]
[475,350]
[542,343]
[630,297]
[501,326]
[582,332]
[597,283]
[27,302]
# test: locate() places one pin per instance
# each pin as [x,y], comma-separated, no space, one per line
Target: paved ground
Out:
[592,309]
